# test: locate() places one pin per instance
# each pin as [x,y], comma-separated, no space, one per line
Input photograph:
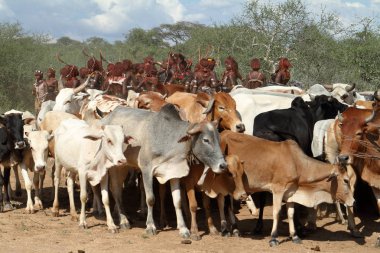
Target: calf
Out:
[88,152]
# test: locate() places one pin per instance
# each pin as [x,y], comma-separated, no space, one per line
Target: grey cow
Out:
[162,144]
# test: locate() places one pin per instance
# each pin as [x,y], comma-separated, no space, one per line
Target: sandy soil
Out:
[40,232]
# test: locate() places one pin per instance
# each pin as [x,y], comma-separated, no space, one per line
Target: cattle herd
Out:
[303,147]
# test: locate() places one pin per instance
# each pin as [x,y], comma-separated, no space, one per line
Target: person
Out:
[205,79]
[230,75]
[52,85]
[255,78]
[282,74]
[39,90]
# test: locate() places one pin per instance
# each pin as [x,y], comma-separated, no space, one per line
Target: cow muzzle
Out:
[221,168]
[39,168]
[343,159]
[240,128]
[20,145]
[121,161]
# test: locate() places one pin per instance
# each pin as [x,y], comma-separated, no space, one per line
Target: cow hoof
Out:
[55,213]
[29,210]
[214,231]
[151,231]
[274,242]
[113,230]
[343,222]
[225,233]
[83,226]
[184,233]
[356,234]
[195,237]
[74,218]
[296,240]
[8,207]
[125,226]
[236,233]
[377,244]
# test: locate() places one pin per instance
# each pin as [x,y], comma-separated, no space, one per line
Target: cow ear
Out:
[27,134]
[194,129]
[3,120]
[50,137]
[332,175]
[184,138]
[127,139]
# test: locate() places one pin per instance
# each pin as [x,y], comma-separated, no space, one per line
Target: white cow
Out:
[34,158]
[88,152]
[71,99]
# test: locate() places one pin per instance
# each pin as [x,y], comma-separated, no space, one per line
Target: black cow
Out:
[296,123]
[12,142]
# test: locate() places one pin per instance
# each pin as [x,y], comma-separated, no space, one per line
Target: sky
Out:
[112,19]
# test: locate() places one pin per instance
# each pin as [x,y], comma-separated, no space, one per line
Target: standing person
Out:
[282,74]
[255,78]
[39,90]
[52,85]
[230,75]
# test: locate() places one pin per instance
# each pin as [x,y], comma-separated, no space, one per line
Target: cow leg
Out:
[28,187]
[7,201]
[143,208]
[277,200]
[106,202]
[351,223]
[57,177]
[37,191]
[376,192]
[260,224]
[83,199]
[149,195]
[234,228]
[210,222]
[162,192]
[251,206]
[292,229]
[42,179]
[1,192]
[97,207]
[311,219]
[193,206]
[377,245]
[223,222]
[70,190]
[18,183]
[339,213]
[117,177]
[176,194]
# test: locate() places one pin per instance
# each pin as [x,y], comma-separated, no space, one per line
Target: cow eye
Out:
[109,141]
[205,140]
[221,108]
[346,181]
[67,102]
[340,124]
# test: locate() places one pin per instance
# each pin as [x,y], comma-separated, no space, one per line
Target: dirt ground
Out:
[40,232]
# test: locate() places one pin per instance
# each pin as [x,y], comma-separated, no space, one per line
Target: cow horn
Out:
[328,86]
[370,118]
[194,128]
[82,86]
[340,117]
[209,106]
[99,112]
[350,87]
[58,56]
[312,97]
[376,95]
[102,58]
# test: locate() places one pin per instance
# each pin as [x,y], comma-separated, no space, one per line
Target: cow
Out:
[250,103]
[12,137]
[215,186]
[34,158]
[88,152]
[345,93]
[283,169]
[164,143]
[150,100]
[283,89]
[70,99]
[296,122]
[46,106]
[221,106]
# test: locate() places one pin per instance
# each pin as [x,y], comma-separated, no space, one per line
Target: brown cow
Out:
[150,100]
[283,169]
[215,186]
[221,107]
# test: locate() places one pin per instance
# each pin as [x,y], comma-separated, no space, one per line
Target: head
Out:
[284,63]
[326,107]
[38,143]
[255,64]
[15,128]
[205,145]
[113,140]
[38,75]
[222,107]
[344,92]
[231,64]
[350,127]
[150,100]
[50,73]
[341,189]
[236,171]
